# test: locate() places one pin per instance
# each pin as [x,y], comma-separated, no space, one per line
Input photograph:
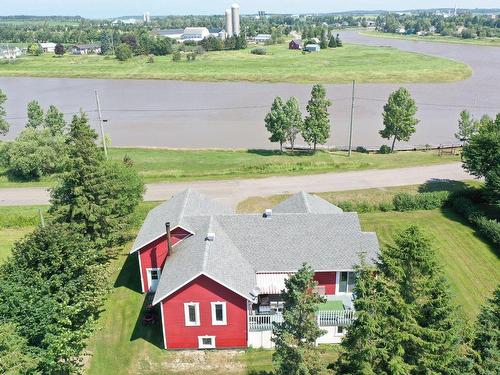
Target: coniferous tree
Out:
[338,42]
[294,122]
[333,42]
[54,121]
[295,338]
[276,122]
[15,357]
[93,195]
[35,115]
[399,117]
[4,125]
[486,341]
[106,42]
[316,129]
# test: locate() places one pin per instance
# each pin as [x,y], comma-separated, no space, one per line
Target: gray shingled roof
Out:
[185,204]
[304,228]
[306,203]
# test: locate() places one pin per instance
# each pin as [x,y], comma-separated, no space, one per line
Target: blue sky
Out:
[111,8]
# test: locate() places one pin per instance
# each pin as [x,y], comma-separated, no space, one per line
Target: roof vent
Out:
[268,212]
[210,237]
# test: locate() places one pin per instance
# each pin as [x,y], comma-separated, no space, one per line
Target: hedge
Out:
[423,201]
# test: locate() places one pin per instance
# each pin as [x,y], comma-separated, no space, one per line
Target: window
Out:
[346,282]
[192,314]
[219,317]
[206,342]
[340,330]
[154,275]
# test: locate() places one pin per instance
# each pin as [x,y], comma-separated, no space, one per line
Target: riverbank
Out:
[492,42]
[365,64]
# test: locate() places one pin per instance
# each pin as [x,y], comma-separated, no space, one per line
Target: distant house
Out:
[10,53]
[171,33]
[295,44]
[48,47]
[312,48]
[315,40]
[262,38]
[216,276]
[195,33]
[86,49]
[401,30]
[217,32]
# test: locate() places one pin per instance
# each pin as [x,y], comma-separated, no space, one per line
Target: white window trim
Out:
[224,314]
[187,322]
[337,283]
[148,274]
[202,346]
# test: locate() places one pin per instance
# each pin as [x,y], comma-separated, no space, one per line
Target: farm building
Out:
[86,49]
[312,48]
[262,38]
[48,47]
[195,33]
[216,276]
[295,44]
[171,33]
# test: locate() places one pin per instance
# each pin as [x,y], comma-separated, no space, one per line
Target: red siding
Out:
[326,279]
[154,254]
[205,290]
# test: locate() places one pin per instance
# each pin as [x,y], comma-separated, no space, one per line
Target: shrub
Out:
[384,149]
[59,49]
[259,51]
[191,56]
[386,206]
[488,227]
[361,150]
[423,201]
[151,59]
[176,56]
[123,52]
[34,49]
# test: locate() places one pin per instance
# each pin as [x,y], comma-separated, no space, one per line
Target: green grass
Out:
[340,65]
[162,165]
[494,42]
[8,236]
[331,305]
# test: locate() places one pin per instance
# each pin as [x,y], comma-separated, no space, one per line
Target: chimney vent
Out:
[210,237]
[268,212]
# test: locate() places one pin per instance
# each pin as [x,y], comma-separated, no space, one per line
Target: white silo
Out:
[229,22]
[235,10]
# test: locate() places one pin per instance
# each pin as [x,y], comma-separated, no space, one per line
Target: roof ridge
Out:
[207,244]
[304,196]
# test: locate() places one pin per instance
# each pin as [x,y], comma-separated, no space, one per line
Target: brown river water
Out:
[231,114]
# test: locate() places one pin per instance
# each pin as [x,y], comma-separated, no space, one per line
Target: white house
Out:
[312,48]
[262,38]
[48,47]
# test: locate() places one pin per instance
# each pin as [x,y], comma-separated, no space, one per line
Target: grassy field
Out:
[161,165]
[341,65]
[494,42]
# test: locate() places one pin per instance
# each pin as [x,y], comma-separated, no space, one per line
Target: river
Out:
[231,114]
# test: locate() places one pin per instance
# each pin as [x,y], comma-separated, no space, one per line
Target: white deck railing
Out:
[264,322]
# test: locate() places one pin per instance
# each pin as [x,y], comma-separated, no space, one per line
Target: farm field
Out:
[364,64]
[494,42]
[164,165]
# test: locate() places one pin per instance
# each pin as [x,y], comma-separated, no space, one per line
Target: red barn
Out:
[217,276]
[295,44]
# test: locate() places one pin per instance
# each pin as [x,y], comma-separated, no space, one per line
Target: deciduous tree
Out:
[467,127]
[123,52]
[59,49]
[35,115]
[399,117]
[54,121]
[15,356]
[316,128]
[295,338]
[4,125]
[276,122]
[294,122]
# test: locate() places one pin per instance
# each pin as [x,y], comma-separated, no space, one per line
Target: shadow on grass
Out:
[442,185]
[151,333]
[129,276]
[452,215]
[280,153]
[261,372]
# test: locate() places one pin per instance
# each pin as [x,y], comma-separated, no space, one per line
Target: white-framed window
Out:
[340,331]
[153,275]
[192,314]
[219,314]
[206,342]
[346,282]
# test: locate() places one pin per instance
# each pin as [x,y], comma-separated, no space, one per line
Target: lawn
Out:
[340,65]
[494,42]
[163,165]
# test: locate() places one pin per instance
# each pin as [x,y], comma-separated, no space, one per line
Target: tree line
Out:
[53,285]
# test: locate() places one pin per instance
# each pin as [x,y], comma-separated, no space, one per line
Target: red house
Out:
[295,44]
[217,276]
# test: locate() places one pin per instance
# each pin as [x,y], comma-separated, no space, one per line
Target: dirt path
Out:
[234,191]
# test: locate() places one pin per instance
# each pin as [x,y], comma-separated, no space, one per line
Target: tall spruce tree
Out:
[35,115]
[294,122]
[4,125]
[399,117]
[316,128]
[276,122]
[295,338]
[93,195]
[487,337]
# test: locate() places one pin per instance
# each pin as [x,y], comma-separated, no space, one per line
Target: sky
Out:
[113,8]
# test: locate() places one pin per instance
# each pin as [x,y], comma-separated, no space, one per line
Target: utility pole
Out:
[101,125]
[42,221]
[352,115]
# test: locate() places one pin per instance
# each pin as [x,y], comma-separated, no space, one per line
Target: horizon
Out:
[96,9]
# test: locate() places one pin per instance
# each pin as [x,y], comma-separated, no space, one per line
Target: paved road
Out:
[230,114]
[234,191]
